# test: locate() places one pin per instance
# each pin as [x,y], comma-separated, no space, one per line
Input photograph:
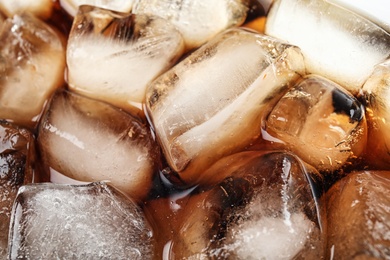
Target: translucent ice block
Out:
[359,216]
[198,21]
[52,221]
[40,8]
[337,44]
[88,140]
[376,93]
[72,6]
[326,127]
[266,208]
[32,63]
[16,159]
[112,56]
[210,104]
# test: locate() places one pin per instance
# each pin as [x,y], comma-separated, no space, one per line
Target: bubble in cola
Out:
[112,56]
[337,43]
[359,217]
[95,221]
[32,62]
[327,127]
[210,104]
[88,140]
[266,208]
[376,92]
[16,157]
[198,21]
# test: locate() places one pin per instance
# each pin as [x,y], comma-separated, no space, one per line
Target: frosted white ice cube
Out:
[51,221]
[198,21]
[211,104]
[72,6]
[337,44]
[40,8]
[116,60]
[92,141]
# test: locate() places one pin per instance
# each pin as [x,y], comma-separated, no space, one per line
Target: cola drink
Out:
[155,130]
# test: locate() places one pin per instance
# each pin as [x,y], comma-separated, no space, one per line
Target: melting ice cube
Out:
[52,221]
[337,44]
[359,217]
[327,126]
[40,8]
[267,208]
[198,21]
[376,92]
[88,140]
[211,104]
[72,6]
[32,63]
[16,151]
[112,56]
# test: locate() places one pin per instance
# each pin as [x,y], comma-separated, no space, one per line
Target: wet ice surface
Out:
[266,209]
[95,221]
[15,170]
[40,8]
[198,21]
[32,62]
[336,43]
[327,126]
[113,56]
[88,140]
[205,108]
[376,92]
[359,205]
[72,6]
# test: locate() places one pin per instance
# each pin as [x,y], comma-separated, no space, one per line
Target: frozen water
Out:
[72,6]
[32,60]
[375,10]
[198,21]
[210,104]
[52,221]
[113,56]
[266,208]
[336,43]
[40,8]
[16,146]
[327,126]
[358,209]
[376,92]
[88,140]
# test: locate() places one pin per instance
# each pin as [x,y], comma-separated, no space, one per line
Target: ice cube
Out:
[112,56]
[266,208]
[40,8]
[376,93]
[53,221]
[72,6]
[198,21]
[211,103]
[16,158]
[88,140]
[32,63]
[337,44]
[327,126]
[359,216]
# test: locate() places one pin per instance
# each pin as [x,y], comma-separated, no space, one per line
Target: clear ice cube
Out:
[376,93]
[95,221]
[327,126]
[88,140]
[210,104]
[40,8]
[359,216]
[337,44]
[267,207]
[16,158]
[198,21]
[112,56]
[72,6]
[32,63]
